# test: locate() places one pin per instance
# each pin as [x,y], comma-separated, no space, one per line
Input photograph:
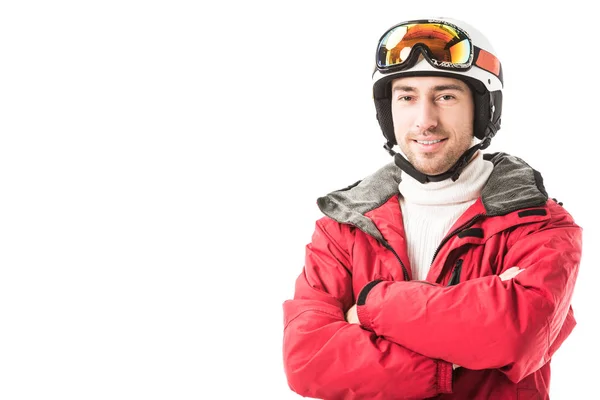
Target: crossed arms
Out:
[411,334]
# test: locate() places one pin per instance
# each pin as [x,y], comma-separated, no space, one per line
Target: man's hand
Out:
[352,316]
[510,273]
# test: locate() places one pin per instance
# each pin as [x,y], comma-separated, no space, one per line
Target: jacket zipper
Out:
[455,278]
[457,230]
[404,270]
[454,232]
[390,248]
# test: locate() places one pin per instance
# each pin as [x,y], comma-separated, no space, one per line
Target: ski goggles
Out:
[446,46]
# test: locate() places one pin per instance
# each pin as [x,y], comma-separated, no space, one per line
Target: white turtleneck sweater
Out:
[429,210]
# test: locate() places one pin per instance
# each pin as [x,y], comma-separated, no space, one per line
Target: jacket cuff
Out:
[444,376]
[361,306]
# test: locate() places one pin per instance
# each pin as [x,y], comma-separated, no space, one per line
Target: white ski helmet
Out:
[449,48]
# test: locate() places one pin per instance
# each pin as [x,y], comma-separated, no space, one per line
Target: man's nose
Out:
[426,117]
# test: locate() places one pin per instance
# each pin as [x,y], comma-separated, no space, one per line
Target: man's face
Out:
[433,121]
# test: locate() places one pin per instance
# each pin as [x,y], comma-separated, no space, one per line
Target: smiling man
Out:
[433,121]
[449,272]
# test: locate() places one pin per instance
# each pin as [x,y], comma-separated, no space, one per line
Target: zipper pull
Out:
[455,278]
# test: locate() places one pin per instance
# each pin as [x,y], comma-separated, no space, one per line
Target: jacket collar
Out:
[512,185]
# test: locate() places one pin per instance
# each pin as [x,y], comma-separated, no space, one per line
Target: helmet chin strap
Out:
[454,172]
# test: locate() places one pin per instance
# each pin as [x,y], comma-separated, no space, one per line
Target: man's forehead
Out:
[427,82]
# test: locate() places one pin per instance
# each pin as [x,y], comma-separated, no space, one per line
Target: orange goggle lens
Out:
[447,47]
[444,44]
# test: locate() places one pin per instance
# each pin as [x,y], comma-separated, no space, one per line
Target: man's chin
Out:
[429,170]
[431,173]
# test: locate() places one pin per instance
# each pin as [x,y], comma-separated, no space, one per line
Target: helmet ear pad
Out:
[382,93]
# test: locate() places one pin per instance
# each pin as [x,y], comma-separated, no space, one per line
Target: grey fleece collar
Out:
[512,185]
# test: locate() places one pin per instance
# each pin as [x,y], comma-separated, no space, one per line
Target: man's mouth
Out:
[429,141]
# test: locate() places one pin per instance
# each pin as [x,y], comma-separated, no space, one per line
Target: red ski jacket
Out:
[502,334]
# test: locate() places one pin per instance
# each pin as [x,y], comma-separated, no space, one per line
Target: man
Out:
[448,273]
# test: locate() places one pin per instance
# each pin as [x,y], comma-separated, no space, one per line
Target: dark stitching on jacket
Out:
[473,232]
[527,213]
[362,296]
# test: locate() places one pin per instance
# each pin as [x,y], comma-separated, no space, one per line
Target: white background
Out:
[160,164]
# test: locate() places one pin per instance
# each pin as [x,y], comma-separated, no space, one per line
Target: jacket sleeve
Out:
[327,357]
[514,325]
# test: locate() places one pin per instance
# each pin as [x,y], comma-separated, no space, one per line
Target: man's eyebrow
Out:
[437,88]
[440,88]
[403,88]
